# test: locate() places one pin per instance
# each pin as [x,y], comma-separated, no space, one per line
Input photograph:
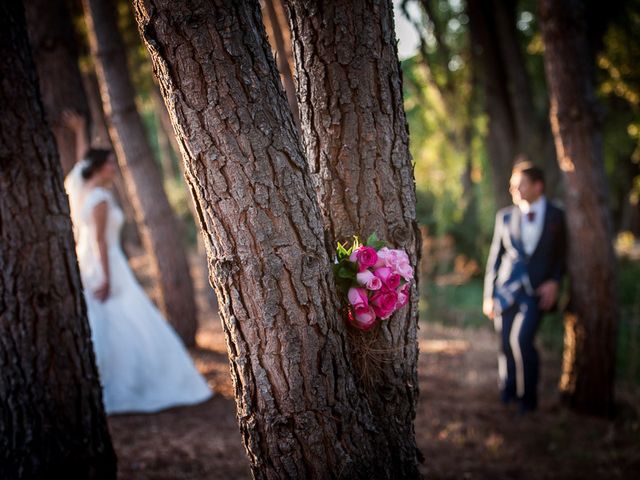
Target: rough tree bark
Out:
[156,222]
[300,410]
[356,139]
[52,421]
[56,57]
[590,324]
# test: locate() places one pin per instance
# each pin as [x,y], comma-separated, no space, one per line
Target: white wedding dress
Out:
[143,364]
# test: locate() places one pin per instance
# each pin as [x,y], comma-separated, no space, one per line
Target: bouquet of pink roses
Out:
[373,279]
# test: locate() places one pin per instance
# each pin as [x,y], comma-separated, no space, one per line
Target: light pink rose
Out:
[365,257]
[369,280]
[398,261]
[382,255]
[403,296]
[384,302]
[389,258]
[363,317]
[401,256]
[358,296]
[388,277]
[405,270]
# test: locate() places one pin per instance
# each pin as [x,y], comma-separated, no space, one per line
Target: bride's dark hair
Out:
[93,160]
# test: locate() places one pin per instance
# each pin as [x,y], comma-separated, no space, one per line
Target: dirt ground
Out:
[461,428]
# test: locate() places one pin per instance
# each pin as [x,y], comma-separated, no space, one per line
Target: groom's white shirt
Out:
[532,230]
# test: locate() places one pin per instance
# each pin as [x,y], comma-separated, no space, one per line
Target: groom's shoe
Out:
[506,397]
[526,408]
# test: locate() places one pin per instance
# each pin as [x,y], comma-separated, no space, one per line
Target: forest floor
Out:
[461,428]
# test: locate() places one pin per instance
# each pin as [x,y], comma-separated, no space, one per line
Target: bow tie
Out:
[531,216]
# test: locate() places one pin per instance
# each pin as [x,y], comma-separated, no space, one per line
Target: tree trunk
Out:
[52,421]
[301,412]
[156,222]
[590,325]
[275,26]
[165,121]
[526,123]
[514,128]
[99,135]
[56,58]
[356,139]
[167,128]
[164,151]
[534,136]
[492,78]
[167,142]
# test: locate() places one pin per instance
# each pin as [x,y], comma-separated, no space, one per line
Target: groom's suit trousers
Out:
[518,357]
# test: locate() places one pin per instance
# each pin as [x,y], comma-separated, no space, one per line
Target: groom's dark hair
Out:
[93,160]
[533,172]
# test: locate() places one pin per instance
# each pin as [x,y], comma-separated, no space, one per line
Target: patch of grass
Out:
[461,306]
[455,305]
[628,352]
[551,332]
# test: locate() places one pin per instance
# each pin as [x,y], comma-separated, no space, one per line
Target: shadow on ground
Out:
[462,430]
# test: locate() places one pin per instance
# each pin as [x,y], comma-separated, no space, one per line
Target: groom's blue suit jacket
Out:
[510,269]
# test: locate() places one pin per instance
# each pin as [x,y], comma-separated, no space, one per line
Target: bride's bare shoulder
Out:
[95,196]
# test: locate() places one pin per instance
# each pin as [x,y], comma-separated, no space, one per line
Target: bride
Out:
[142,363]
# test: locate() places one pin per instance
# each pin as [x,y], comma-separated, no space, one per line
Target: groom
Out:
[525,266]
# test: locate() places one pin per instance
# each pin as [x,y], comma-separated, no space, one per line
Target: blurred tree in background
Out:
[450,104]
[470,71]
[475,97]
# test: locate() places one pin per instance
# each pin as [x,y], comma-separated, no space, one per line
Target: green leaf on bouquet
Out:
[374,242]
[372,238]
[345,272]
[342,252]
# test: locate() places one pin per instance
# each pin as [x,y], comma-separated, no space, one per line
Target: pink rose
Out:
[401,256]
[365,257]
[404,269]
[369,280]
[391,258]
[384,302]
[388,277]
[396,260]
[382,255]
[403,296]
[363,317]
[358,296]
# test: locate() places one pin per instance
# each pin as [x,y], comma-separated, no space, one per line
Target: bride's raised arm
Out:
[78,123]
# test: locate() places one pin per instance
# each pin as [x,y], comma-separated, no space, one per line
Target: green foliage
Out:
[628,360]
[448,126]
[453,305]
[443,157]
[619,89]
[374,242]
